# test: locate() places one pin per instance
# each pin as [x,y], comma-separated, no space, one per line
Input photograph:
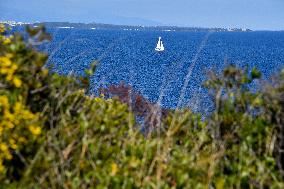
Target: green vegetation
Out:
[53,135]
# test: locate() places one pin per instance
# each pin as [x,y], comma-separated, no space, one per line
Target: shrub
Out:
[20,72]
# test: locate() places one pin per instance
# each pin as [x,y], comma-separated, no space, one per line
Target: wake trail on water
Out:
[189,72]
[191,67]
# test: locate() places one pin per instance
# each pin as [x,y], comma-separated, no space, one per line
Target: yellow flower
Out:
[8,155]
[3,147]
[34,129]
[8,115]
[28,115]
[5,151]
[14,67]
[4,101]
[8,68]
[5,60]
[9,76]
[9,124]
[114,169]
[4,70]
[7,40]
[13,144]
[17,82]
[17,107]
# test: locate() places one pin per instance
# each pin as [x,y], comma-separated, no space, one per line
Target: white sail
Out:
[160,46]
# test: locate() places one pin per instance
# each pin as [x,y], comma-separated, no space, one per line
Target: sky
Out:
[253,14]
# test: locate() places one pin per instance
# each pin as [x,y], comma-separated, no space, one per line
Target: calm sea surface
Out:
[172,78]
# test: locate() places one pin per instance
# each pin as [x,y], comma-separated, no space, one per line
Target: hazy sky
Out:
[254,14]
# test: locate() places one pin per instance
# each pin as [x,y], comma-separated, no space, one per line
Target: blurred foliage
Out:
[53,135]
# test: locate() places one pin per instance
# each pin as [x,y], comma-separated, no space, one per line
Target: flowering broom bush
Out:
[20,127]
[53,135]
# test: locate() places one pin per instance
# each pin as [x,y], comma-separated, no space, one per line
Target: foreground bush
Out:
[52,135]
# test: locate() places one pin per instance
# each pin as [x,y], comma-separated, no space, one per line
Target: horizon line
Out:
[138,25]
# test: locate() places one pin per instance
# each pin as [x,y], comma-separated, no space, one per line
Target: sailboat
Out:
[160,47]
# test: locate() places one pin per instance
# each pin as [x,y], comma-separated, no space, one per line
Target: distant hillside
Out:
[68,25]
[141,27]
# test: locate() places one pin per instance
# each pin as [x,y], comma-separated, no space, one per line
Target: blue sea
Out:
[171,78]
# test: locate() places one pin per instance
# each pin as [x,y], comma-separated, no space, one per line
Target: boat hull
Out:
[159,50]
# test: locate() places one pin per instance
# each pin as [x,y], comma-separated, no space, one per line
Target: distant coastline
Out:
[94,26]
